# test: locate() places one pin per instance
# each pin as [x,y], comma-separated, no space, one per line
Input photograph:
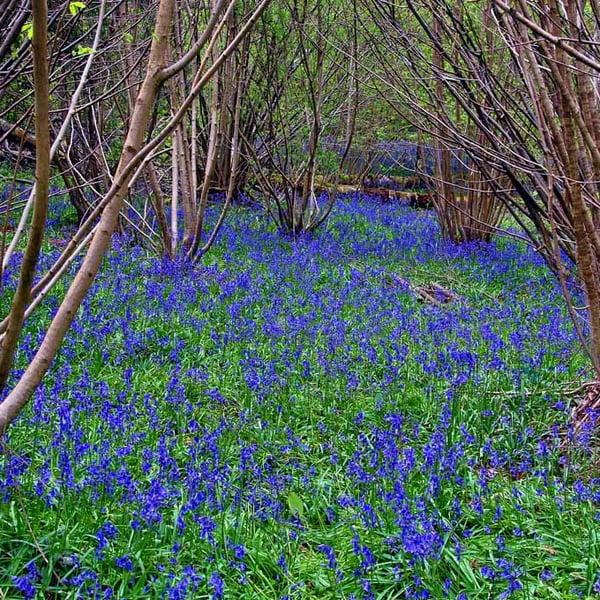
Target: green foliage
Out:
[295,505]
[27,30]
[82,50]
[75,7]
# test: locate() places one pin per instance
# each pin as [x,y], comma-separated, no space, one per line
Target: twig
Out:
[567,392]
[454,281]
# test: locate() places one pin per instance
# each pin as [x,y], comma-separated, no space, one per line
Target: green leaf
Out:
[82,50]
[295,504]
[27,30]
[75,7]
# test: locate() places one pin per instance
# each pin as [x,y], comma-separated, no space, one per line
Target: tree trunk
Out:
[42,175]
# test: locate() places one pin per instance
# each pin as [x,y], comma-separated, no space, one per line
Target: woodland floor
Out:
[293,418]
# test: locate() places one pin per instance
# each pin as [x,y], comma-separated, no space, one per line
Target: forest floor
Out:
[294,418]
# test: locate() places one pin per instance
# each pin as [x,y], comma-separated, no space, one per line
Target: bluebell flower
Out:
[124,562]
[330,554]
[281,562]
[106,533]
[597,583]
[217,585]
[25,584]
[488,572]
[514,585]
[546,575]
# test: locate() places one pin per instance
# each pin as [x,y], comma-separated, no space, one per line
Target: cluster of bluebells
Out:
[189,402]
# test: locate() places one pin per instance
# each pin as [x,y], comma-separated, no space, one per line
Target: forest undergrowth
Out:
[292,419]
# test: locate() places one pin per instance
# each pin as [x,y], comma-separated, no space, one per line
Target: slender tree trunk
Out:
[174,193]
[42,175]
[159,209]
[209,170]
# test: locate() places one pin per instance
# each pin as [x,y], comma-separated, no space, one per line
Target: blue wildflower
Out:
[25,584]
